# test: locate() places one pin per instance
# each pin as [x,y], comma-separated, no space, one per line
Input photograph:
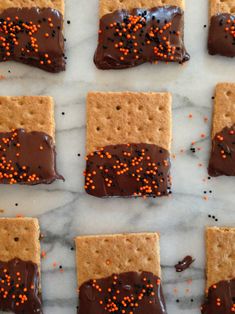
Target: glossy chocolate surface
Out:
[220,298]
[184,264]
[222,160]
[19,287]
[222,35]
[130,38]
[33,36]
[132,292]
[128,170]
[27,158]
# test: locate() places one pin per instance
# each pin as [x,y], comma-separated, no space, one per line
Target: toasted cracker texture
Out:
[224,107]
[220,254]
[19,238]
[222,6]
[32,113]
[54,4]
[103,255]
[109,6]
[127,117]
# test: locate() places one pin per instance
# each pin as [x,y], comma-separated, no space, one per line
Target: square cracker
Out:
[220,254]
[224,107]
[103,255]
[19,237]
[109,6]
[219,6]
[32,113]
[54,4]
[127,117]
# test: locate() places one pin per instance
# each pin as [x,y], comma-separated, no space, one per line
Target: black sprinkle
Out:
[63,113]
[177,300]
[204,26]
[16,204]
[60,266]
[68,22]
[79,155]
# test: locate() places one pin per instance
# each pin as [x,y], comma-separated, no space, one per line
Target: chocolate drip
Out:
[221,35]
[130,38]
[128,170]
[222,160]
[19,287]
[184,264]
[132,292]
[220,298]
[27,158]
[33,36]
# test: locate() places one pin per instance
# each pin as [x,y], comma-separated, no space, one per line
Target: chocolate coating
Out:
[24,298]
[153,41]
[184,264]
[220,299]
[222,159]
[27,158]
[128,170]
[130,286]
[39,50]
[221,35]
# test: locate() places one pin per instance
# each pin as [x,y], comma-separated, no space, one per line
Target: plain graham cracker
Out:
[19,238]
[224,107]
[221,6]
[32,113]
[54,4]
[220,254]
[103,255]
[109,6]
[128,117]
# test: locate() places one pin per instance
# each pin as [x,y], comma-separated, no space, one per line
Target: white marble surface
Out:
[65,210]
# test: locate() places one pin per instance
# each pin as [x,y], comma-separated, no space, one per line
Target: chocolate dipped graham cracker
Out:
[119,273]
[27,140]
[222,160]
[31,32]
[221,39]
[20,288]
[128,144]
[134,32]
[220,254]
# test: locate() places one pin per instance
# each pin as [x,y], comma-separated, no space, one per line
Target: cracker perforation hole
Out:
[98,128]
[140,108]
[16,239]
[228,93]
[118,108]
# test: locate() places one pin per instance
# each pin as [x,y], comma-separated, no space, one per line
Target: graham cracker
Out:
[103,255]
[109,6]
[220,254]
[127,117]
[224,107]
[19,238]
[219,6]
[54,4]
[32,113]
